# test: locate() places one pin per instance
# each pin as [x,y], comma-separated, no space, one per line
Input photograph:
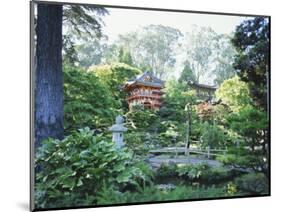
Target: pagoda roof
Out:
[146,79]
[198,85]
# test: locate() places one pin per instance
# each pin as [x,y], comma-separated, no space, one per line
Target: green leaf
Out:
[79,182]
[124,177]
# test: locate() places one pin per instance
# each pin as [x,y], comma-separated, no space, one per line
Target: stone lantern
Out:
[117,131]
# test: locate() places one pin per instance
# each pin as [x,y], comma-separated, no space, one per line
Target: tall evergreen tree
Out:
[187,74]
[48,83]
[251,40]
[125,56]
[48,73]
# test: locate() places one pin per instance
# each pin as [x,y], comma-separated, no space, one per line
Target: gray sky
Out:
[121,21]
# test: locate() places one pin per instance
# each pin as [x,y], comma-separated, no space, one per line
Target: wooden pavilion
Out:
[204,92]
[146,90]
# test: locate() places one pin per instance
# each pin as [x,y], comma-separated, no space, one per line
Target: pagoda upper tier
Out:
[146,90]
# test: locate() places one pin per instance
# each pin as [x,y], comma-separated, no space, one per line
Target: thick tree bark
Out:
[48,75]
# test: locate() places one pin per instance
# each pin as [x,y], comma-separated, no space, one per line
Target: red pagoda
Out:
[145,90]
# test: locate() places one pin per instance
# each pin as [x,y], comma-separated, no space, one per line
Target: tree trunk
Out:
[48,75]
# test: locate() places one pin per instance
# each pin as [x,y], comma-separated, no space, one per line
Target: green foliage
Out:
[147,173]
[195,172]
[245,159]
[143,126]
[217,174]
[87,102]
[212,136]
[167,171]
[175,100]
[231,188]
[81,22]
[251,40]
[224,53]
[253,183]
[140,118]
[187,74]
[253,121]
[199,49]
[85,51]
[140,142]
[191,172]
[90,50]
[74,169]
[221,112]
[83,169]
[152,48]
[176,110]
[114,76]
[84,18]
[234,93]
[148,194]
[125,57]
[251,125]
[177,93]
[204,173]
[171,133]
[247,126]
[69,52]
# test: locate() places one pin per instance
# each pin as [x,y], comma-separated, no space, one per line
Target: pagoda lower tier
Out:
[148,101]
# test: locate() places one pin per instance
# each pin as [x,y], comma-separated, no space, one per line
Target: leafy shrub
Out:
[234,93]
[213,136]
[175,99]
[147,174]
[221,111]
[171,133]
[148,194]
[140,118]
[254,135]
[140,142]
[216,174]
[166,170]
[253,183]
[190,171]
[241,157]
[113,76]
[203,172]
[255,123]
[73,170]
[231,188]
[235,160]
[205,111]
[87,102]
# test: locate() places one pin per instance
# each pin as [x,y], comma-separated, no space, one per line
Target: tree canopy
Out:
[152,48]
[251,40]
[234,93]
[82,34]
[187,74]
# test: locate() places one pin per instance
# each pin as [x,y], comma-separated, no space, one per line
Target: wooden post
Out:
[225,151]
[208,152]
[186,151]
